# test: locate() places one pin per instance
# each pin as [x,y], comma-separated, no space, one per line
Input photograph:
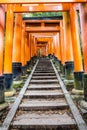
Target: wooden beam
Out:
[44,34]
[42,39]
[40,1]
[40,21]
[42,29]
[26,8]
[42,8]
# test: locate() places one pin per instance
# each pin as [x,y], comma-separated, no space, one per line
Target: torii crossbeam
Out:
[40,1]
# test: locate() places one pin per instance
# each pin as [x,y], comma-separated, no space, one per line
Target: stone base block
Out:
[1,89]
[10,93]
[77,92]
[83,104]
[8,81]
[17,69]
[69,67]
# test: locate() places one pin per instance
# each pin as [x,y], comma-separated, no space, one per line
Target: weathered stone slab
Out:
[42,74]
[38,104]
[44,81]
[43,120]
[42,86]
[44,93]
[48,71]
[44,77]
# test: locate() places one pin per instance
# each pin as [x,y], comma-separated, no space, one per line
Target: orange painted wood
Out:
[42,29]
[67,37]
[26,48]
[62,47]
[40,21]
[31,45]
[49,51]
[23,45]
[9,40]
[35,45]
[42,8]
[58,45]
[2,27]
[40,1]
[43,39]
[17,38]
[78,67]
[54,44]
[83,21]
[50,45]
[44,34]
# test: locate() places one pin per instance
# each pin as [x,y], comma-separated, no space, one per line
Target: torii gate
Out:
[65,5]
[40,1]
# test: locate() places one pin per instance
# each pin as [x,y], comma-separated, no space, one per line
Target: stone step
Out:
[44,74]
[43,87]
[43,104]
[43,94]
[43,119]
[48,81]
[43,68]
[44,77]
[44,71]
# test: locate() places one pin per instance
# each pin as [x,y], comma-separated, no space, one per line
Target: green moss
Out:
[78,84]
[17,84]
[85,86]
[69,84]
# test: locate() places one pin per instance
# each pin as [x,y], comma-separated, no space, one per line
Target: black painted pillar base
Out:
[2,99]
[85,85]
[69,68]
[24,69]
[17,69]
[27,65]
[8,78]
[63,69]
[78,80]
[60,65]
[28,62]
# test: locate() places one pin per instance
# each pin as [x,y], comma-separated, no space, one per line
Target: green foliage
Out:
[42,14]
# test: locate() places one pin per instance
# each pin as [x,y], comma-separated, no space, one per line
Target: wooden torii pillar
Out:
[78,67]
[17,46]
[62,51]
[29,47]
[32,45]
[35,46]
[83,21]
[69,65]
[8,47]
[58,51]
[23,48]
[51,50]
[26,49]
[2,28]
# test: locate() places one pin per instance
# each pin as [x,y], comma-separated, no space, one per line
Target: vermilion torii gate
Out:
[19,36]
